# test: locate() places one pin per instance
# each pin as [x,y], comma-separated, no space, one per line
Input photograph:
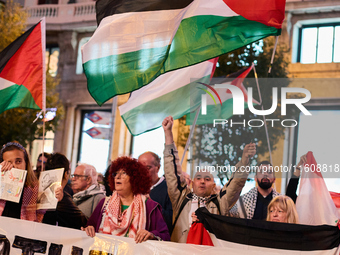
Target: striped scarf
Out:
[127,223]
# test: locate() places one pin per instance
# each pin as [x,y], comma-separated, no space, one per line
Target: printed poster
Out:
[49,181]
[11,184]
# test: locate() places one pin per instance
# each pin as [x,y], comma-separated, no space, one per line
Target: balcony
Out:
[62,14]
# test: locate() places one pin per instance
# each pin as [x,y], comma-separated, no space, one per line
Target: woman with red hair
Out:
[129,212]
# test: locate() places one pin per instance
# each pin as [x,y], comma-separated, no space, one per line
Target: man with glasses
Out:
[253,204]
[84,180]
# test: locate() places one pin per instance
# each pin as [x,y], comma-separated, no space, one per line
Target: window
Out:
[47,1]
[79,68]
[52,59]
[94,145]
[319,43]
[150,141]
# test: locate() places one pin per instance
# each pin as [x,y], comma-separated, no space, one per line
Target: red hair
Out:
[140,178]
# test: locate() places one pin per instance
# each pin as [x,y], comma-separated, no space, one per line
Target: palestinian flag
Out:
[218,101]
[136,41]
[22,71]
[242,236]
[173,93]
[314,204]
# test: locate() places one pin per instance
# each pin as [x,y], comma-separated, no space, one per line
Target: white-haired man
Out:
[89,194]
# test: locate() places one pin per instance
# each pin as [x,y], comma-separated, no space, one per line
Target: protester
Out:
[128,212]
[282,209]
[67,214]
[106,181]
[294,180]
[100,180]
[253,204]
[14,155]
[84,179]
[185,202]
[41,161]
[159,189]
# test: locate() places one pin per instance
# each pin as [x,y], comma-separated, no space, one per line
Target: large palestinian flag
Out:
[261,237]
[22,71]
[174,93]
[136,41]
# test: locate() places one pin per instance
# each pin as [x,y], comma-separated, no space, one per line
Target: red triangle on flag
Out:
[270,13]
[199,235]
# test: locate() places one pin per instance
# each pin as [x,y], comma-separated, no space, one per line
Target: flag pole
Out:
[264,118]
[113,121]
[272,59]
[43,45]
[190,134]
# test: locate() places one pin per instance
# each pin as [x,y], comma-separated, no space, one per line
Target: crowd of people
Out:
[131,199]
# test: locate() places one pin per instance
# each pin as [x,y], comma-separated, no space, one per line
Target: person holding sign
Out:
[14,155]
[129,212]
[67,214]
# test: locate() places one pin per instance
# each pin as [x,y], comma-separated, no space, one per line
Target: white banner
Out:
[26,237]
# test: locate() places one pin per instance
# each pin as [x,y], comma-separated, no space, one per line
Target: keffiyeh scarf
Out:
[127,223]
[29,205]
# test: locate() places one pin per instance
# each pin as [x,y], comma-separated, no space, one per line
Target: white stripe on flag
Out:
[236,248]
[165,84]
[314,203]
[129,32]
[5,83]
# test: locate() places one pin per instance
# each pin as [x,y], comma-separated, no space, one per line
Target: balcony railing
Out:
[67,13]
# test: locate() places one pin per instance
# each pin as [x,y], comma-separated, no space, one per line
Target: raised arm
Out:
[232,189]
[172,167]
[294,180]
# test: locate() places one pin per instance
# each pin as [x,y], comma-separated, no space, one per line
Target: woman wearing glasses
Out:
[129,212]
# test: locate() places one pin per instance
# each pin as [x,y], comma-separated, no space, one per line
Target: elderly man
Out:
[159,189]
[84,180]
[253,204]
[184,202]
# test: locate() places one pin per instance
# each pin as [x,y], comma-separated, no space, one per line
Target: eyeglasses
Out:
[122,174]
[39,160]
[76,176]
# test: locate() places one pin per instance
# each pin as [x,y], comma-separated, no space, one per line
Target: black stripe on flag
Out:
[270,234]
[106,8]
[238,73]
[11,49]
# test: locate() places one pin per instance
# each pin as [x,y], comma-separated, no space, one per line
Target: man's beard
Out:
[265,184]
